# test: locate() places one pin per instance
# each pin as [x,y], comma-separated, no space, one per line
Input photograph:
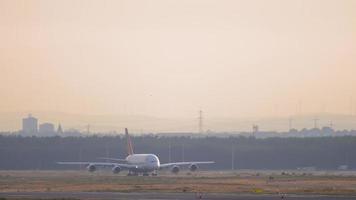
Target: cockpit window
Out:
[152,159]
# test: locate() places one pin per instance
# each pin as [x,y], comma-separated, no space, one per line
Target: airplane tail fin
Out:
[129,144]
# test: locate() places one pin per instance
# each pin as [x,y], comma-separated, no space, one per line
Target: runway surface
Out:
[162,196]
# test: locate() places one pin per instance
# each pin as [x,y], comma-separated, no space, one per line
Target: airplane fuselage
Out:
[144,162]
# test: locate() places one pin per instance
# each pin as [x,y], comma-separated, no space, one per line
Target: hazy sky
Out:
[167,58]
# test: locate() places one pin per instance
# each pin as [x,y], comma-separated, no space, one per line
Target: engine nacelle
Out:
[116,170]
[193,167]
[175,169]
[91,168]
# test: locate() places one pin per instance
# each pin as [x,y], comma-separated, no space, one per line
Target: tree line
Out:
[42,153]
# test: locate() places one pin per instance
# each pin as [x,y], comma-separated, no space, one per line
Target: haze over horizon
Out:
[168,59]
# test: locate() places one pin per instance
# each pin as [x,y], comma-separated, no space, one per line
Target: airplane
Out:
[138,163]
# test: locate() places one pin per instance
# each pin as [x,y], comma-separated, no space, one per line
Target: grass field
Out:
[263,182]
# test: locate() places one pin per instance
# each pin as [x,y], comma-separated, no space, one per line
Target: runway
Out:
[161,196]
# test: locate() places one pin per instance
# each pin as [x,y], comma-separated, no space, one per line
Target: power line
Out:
[200,121]
[232,158]
[183,152]
[254,130]
[315,122]
[290,123]
[88,129]
[351,106]
[170,151]
[331,124]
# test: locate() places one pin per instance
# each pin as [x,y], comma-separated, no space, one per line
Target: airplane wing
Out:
[167,165]
[113,159]
[100,164]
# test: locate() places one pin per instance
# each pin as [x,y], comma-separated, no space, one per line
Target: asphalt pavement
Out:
[163,196]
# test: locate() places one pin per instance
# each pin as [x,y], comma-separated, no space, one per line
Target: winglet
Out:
[129,144]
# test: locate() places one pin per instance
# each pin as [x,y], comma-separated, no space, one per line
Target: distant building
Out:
[343,167]
[309,168]
[46,129]
[29,125]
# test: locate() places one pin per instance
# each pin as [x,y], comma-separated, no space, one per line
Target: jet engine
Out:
[116,170]
[91,168]
[193,167]
[175,169]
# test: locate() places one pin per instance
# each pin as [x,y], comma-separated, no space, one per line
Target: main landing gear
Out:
[132,173]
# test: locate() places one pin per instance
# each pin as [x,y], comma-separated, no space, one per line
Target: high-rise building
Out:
[46,129]
[29,125]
